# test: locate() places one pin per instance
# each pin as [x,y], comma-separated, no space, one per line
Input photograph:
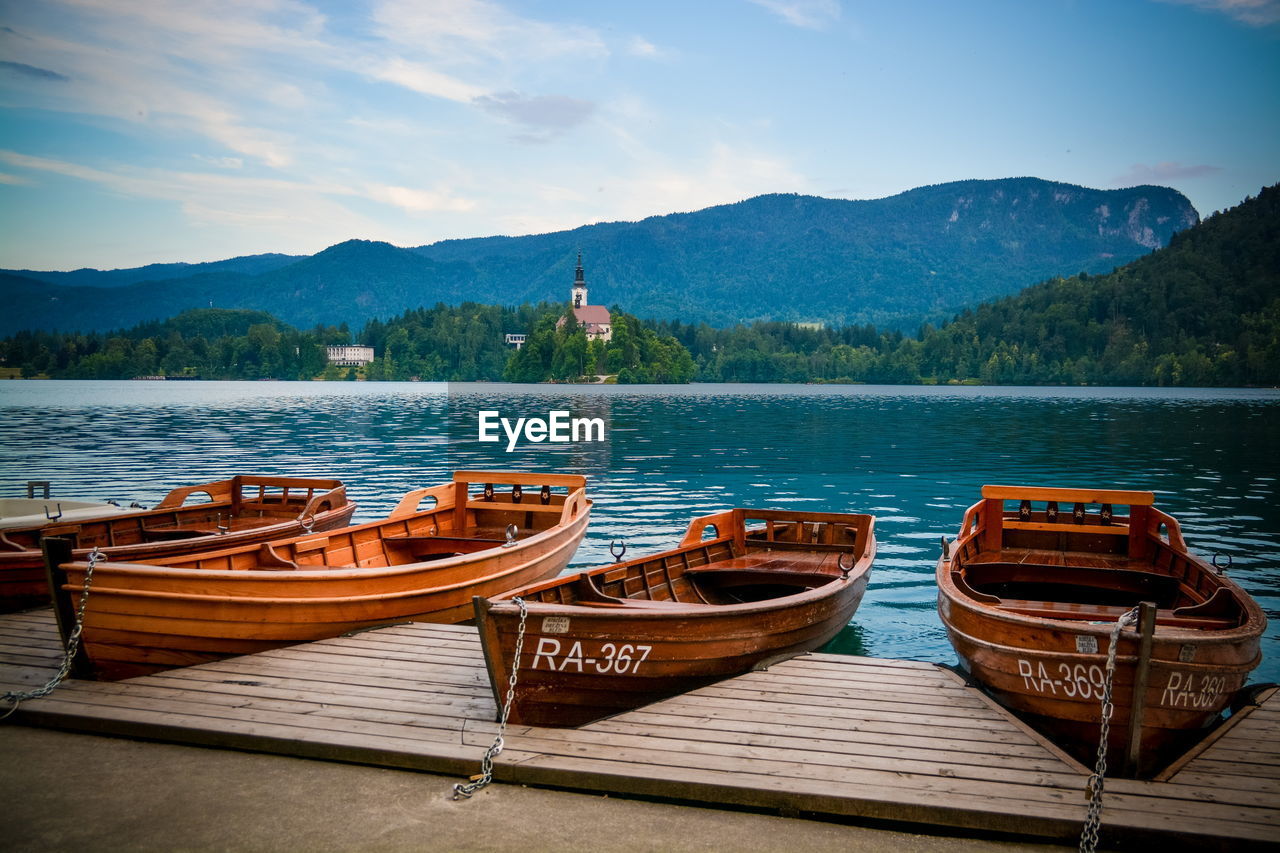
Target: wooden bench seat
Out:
[487,542]
[806,571]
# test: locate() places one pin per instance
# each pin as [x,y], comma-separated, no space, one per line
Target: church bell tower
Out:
[579,292]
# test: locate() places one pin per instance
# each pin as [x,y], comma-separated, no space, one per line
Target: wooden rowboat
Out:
[238,511]
[421,565]
[624,635]
[1029,597]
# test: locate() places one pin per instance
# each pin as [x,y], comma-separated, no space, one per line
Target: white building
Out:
[349,356]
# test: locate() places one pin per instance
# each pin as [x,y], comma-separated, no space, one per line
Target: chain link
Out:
[1093,788]
[69,654]
[485,776]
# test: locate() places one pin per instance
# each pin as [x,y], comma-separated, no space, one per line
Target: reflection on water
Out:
[916,457]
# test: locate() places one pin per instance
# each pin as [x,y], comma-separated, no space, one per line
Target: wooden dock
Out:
[821,735]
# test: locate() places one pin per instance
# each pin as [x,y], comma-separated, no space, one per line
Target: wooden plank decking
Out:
[822,734]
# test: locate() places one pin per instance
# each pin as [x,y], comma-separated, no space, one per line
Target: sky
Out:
[145,131]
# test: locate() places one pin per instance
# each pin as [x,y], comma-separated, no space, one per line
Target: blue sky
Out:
[165,130]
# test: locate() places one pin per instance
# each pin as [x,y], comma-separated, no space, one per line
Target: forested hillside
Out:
[1204,311]
[895,262]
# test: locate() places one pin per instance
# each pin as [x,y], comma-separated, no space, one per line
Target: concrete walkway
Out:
[64,791]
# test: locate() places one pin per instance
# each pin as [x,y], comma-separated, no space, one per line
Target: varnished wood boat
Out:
[418,564]
[1030,594]
[624,635]
[241,510]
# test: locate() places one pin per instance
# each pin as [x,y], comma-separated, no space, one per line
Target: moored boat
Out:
[1029,597]
[37,512]
[423,563]
[727,599]
[240,510]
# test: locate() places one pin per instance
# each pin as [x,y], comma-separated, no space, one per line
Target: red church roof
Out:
[596,314]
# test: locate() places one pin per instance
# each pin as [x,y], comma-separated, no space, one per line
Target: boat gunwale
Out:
[504,603]
[1253,625]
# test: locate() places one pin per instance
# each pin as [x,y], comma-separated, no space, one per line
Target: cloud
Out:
[165,183]
[639,46]
[419,201]
[23,70]
[1160,173]
[807,14]
[236,199]
[722,174]
[221,162]
[478,33]
[179,67]
[304,216]
[1255,13]
[546,115]
[13,180]
[424,80]
[249,74]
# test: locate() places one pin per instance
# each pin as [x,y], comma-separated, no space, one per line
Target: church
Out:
[594,318]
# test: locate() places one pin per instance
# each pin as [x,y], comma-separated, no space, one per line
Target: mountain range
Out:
[897,262]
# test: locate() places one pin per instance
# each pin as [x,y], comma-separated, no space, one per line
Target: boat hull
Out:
[596,667]
[1037,671]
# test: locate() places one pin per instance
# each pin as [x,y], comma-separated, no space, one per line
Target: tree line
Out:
[445,343]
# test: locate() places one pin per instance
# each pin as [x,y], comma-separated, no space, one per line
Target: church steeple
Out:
[578,295]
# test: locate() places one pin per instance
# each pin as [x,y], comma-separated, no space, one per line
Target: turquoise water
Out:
[915,457]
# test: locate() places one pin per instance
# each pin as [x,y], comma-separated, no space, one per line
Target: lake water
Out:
[916,457]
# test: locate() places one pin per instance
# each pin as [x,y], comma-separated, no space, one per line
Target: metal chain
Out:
[69,654]
[485,776]
[1093,788]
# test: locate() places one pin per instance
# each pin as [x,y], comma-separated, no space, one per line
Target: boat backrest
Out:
[567,506]
[246,494]
[780,529]
[1043,516]
[272,495]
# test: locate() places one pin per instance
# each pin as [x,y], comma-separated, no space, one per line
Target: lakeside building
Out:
[594,318]
[349,356]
